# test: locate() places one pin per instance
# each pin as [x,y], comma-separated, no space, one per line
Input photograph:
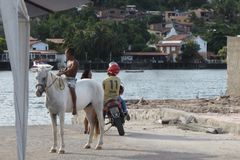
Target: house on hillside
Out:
[179,20]
[169,14]
[131,9]
[38,45]
[159,30]
[203,13]
[111,14]
[183,27]
[40,51]
[203,47]
[172,46]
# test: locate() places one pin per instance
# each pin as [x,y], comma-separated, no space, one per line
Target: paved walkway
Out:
[143,140]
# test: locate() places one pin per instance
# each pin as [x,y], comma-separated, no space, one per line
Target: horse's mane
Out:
[57,81]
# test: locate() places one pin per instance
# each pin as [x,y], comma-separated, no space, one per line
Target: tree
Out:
[3,45]
[155,19]
[189,51]
[226,10]
[217,36]
[223,53]
[154,39]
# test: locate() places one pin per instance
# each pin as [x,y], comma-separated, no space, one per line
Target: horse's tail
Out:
[96,126]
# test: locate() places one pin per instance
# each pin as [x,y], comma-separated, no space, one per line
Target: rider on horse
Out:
[70,72]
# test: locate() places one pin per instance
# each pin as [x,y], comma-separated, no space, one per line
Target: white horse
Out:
[58,101]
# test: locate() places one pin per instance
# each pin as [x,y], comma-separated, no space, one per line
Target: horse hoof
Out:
[98,147]
[53,151]
[87,146]
[61,152]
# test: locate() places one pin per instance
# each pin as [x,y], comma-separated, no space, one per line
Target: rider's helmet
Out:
[113,68]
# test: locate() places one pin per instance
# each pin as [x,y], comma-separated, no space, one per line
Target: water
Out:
[151,84]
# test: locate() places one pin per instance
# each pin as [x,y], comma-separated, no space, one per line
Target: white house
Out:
[203,46]
[38,45]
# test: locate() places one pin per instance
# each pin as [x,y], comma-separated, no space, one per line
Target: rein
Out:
[60,81]
[47,87]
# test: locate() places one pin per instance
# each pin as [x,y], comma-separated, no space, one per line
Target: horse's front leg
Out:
[62,145]
[54,132]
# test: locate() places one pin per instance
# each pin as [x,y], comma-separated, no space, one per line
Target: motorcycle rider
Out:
[111,84]
[112,87]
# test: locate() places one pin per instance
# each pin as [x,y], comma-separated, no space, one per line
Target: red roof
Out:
[179,37]
[34,42]
[55,40]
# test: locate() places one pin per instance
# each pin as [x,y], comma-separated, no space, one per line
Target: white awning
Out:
[40,7]
[15,19]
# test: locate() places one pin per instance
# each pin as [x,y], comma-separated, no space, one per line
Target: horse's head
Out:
[41,77]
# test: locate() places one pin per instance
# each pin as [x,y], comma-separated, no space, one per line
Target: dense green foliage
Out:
[95,39]
[189,51]
[153,4]
[2,45]
[225,22]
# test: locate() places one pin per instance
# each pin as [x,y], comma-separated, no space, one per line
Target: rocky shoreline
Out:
[221,105]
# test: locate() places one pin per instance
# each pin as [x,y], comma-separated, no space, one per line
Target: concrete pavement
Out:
[230,123]
[143,141]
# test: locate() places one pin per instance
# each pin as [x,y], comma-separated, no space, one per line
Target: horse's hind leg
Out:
[89,114]
[54,132]
[62,145]
[101,124]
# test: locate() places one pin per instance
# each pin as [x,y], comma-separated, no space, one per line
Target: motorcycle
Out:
[114,115]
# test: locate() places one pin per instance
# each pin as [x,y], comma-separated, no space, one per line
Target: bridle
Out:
[44,85]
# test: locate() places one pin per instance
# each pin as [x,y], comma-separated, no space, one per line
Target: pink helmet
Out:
[113,68]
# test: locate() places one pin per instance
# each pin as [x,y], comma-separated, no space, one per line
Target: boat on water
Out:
[40,64]
[134,71]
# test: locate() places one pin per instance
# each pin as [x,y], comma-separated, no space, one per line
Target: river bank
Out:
[219,115]
[221,105]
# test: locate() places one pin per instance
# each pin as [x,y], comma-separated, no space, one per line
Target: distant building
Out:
[156,13]
[172,46]
[159,30]
[169,14]
[203,13]
[112,14]
[38,45]
[131,9]
[115,14]
[183,27]
[203,47]
[152,57]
